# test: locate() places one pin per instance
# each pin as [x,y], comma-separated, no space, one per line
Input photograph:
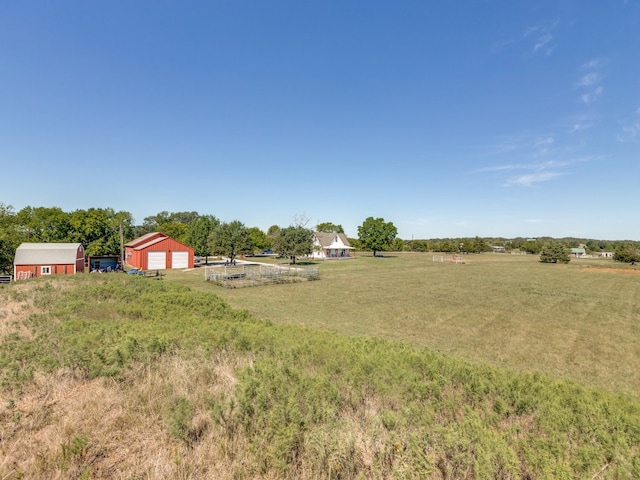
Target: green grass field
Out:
[577,321]
[394,367]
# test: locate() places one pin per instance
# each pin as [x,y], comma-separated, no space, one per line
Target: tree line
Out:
[99,230]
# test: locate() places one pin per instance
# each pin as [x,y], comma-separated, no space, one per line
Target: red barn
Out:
[157,251]
[41,259]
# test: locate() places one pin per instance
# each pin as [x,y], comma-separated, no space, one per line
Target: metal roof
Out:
[47,253]
[146,240]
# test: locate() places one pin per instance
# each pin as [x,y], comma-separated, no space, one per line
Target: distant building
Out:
[498,249]
[43,259]
[578,253]
[328,246]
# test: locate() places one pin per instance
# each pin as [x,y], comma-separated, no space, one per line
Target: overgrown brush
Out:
[235,397]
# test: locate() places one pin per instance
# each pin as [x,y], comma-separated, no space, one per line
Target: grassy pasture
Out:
[577,321]
[119,376]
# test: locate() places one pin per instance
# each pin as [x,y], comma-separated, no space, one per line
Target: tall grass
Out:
[192,388]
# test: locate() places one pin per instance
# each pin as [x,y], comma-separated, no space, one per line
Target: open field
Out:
[577,321]
[121,376]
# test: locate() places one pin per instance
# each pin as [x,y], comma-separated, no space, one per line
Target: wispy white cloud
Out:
[542,43]
[594,63]
[590,97]
[578,123]
[591,81]
[630,132]
[538,159]
[579,126]
[538,39]
[529,179]
[526,174]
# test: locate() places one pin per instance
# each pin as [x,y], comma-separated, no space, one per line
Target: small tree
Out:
[554,252]
[293,242]
[230,240]
[376,235]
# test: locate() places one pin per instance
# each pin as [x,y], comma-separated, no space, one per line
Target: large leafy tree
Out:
[294,241]
[230,240]
[98,229]
[198,234]
[328,227]
[10,237]
[554,252]
[273,230]
[44,224]
[260,239]
[174,224]
[376,235]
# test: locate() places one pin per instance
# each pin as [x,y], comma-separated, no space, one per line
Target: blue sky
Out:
[449,119]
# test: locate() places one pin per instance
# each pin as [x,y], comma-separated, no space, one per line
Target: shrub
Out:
[554,252]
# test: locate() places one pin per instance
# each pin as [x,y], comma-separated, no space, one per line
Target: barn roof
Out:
[149,239]
[145,239]
[43,253]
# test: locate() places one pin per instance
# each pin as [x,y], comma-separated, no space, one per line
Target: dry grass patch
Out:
[15,307]
[18,302]
[64,426]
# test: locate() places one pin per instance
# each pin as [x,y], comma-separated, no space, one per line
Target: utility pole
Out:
[121,247]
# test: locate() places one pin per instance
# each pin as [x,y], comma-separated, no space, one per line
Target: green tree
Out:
[230,240]
[399,245]
[376,235]
[294,241]
[198,234]
[328,227]
[480,245]
[10,237]
[260,239]
[554,252]
[532,246]
[273,231]
[45,224]
[174,224]
[98,229]
[627,253]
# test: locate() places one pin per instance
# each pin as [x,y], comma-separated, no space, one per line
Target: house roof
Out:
[43,253]
[326,240]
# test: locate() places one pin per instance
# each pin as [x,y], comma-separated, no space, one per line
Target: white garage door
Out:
[157,260]
[179,259]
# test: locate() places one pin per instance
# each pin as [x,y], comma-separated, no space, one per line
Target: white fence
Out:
[253,274]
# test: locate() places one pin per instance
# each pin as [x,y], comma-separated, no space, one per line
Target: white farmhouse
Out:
[328,246]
